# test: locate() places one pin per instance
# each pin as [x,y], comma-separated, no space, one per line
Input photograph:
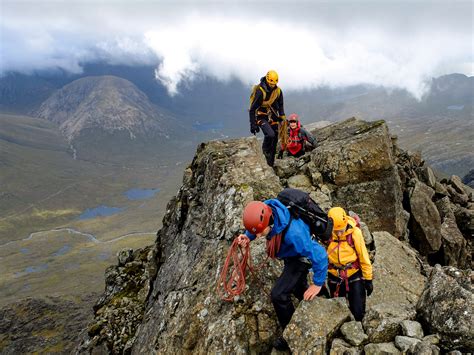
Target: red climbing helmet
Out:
[256,217]
[293,117]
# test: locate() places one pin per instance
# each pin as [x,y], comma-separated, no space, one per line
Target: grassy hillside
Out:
[44,244]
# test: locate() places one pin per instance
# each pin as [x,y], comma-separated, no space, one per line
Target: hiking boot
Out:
[281,344]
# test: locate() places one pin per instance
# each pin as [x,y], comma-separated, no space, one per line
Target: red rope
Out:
[231,281]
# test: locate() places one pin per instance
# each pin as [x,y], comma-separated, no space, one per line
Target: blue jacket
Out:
[297,241]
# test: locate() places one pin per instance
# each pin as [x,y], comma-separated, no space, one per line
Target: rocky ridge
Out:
[422,221]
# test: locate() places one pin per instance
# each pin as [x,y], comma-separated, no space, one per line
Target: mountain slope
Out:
[106,103]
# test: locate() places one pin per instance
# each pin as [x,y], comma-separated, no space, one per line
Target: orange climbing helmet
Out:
[256,216]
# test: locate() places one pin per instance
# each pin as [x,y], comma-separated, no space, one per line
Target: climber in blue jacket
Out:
[290,240]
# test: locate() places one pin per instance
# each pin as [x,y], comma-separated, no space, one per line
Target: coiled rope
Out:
[231,281]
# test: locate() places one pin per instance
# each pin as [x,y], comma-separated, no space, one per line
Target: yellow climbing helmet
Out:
[272,78]
[339,218]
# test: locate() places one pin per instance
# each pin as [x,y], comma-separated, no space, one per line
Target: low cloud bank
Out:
[304,53]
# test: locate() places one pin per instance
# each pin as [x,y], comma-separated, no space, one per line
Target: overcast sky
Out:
[398,44]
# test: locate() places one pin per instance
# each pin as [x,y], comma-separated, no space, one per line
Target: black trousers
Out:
[270,140]
[293,280]
[356,294]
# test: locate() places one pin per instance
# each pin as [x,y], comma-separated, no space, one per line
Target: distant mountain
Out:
[440,125]
[105,103]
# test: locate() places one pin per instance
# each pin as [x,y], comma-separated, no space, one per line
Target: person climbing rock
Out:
[350,269]
[289,240]
[266,112]
[298,137]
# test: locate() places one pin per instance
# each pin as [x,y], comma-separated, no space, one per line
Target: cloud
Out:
[396,45]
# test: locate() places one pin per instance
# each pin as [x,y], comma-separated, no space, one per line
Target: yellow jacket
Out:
[341,253]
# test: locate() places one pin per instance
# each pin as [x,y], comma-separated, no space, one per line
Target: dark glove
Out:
[369,287]
[254,129]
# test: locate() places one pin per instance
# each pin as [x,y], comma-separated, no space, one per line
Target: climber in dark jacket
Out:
[266,112]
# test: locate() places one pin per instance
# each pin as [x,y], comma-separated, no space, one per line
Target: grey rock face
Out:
[446,307]
[383,321]
[412,329]
[426,223]
[340,347]
[120,309]
[427,176]
[354,333]
[455,248]
[381,348]
[124,256]
[314,324]
[301,182]
[194,241]
[423,348]
[405,343]
[398,278]
[363,171]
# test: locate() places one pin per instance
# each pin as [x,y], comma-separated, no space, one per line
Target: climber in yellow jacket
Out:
[350,269]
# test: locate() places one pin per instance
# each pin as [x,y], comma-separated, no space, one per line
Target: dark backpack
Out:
[302,206]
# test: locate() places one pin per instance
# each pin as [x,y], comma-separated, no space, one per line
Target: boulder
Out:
[425,348]
[340,347]
[456,197]
[412,329]
[301,182]
[426,175]
[363,172]
[425,221]
[285,168]
[124,256]
[383,321]
[322,199]
[455,251]
[405,343]
[381,348]
[446,307]
[364,152]
[354,333]
[457,184]
[397,272]
[315,323]
[432,339]
[377,202]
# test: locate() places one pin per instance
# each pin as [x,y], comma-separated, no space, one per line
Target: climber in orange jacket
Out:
[350,269]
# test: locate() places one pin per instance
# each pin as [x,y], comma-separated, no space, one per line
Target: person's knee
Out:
[270,133]
[279,297]
[358,314]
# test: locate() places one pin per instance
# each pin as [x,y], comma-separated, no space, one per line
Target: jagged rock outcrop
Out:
[182,312]
[446,307]
[356,158]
